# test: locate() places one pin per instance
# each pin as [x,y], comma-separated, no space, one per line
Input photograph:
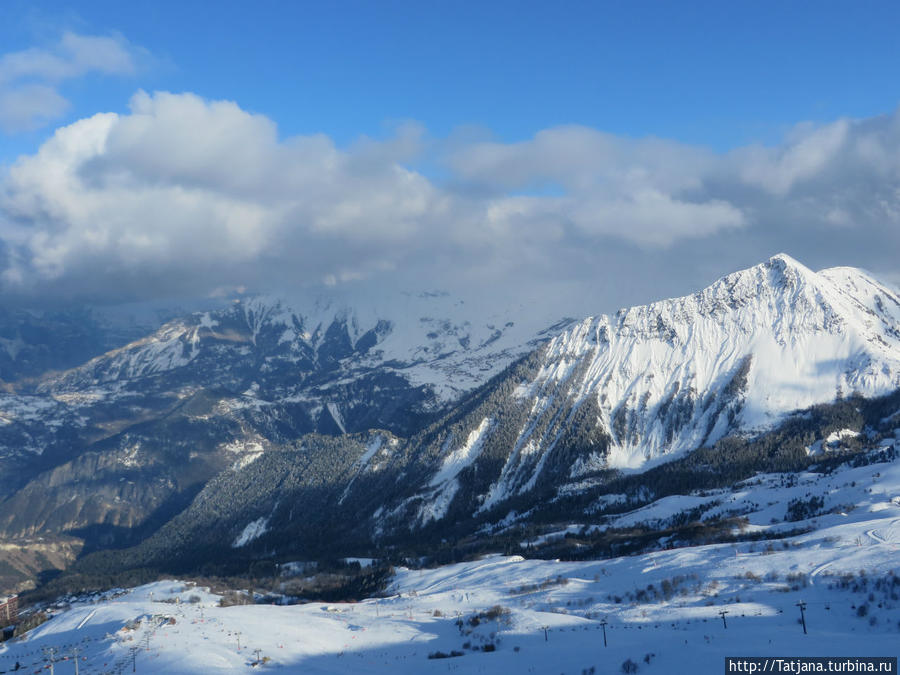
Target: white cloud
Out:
[639,190]
[30,79]
[182,186]
[803,157]
[30,106]
[186,196]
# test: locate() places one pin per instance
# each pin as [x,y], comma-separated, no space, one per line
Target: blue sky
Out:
[535,131]
[714,73]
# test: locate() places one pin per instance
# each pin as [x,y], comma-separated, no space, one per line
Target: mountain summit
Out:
[668,377]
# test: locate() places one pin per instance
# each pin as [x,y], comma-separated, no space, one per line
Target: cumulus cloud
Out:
[183,190]
[30,79]
[183,195]
[612,186]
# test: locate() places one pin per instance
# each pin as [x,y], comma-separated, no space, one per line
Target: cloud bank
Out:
[188,196]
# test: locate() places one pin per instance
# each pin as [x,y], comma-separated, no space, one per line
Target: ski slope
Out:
[396,634]
[547,616]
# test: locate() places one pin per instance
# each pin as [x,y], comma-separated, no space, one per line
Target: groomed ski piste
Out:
[663,611]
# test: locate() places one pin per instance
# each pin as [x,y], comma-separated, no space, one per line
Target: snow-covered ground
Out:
[678,620]
[662,610]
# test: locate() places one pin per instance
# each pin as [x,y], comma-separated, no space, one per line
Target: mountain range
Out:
[276,429]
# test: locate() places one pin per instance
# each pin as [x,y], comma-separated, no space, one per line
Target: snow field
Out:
[678,621]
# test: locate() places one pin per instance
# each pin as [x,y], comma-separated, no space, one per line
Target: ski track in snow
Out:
[879,539]
[85,620]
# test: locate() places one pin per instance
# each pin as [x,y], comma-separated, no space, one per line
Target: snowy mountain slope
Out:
[108,448]
[565,427]
[610,395]
[34,342]
[332,366]
[661,610]
[654,382]
[364,493]
[429,339]
[737,356]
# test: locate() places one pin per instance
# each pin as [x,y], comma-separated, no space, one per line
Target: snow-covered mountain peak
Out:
[665,378]
[780,295]
[785,260]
